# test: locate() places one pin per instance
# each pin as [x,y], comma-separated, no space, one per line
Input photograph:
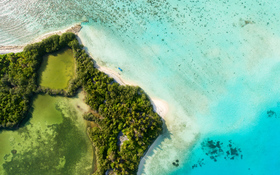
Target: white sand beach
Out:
[10,49]
[114,75]
[15,49]
[160,106]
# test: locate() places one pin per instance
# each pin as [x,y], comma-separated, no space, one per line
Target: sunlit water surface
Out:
[215,62]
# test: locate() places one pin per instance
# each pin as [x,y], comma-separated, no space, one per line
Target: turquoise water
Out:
[216,63]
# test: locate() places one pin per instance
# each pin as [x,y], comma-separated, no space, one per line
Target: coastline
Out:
[143,159]
[15,49]
[160,106]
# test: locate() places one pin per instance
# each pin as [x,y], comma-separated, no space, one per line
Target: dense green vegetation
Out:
[18,74]
[115,109]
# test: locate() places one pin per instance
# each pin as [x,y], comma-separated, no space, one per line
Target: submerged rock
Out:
[215,149]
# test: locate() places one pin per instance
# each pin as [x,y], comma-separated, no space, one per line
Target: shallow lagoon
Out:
[52,141]
[57,69]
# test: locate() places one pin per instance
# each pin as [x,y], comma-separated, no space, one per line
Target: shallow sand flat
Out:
[160,106]
[15,49]
[215,63]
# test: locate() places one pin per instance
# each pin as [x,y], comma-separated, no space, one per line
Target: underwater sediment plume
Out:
[214,62]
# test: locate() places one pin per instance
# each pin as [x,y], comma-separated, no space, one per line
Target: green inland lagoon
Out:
[57,69]
[52,141]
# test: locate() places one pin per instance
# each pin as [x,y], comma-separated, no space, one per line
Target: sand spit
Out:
[15,49]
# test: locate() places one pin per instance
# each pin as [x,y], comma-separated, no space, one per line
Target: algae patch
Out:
[53,141]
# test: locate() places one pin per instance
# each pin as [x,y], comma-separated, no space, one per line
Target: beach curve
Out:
[160,106]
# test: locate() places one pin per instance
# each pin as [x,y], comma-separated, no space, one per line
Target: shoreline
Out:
[143,159]
[15,49]
[161,107]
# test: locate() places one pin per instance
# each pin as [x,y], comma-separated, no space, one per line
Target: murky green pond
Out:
[57,69]
[52,142]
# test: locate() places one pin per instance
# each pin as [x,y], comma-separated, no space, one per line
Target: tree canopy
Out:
[115,109]
[18,74]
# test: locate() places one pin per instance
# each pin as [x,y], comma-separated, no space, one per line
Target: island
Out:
[122,122]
